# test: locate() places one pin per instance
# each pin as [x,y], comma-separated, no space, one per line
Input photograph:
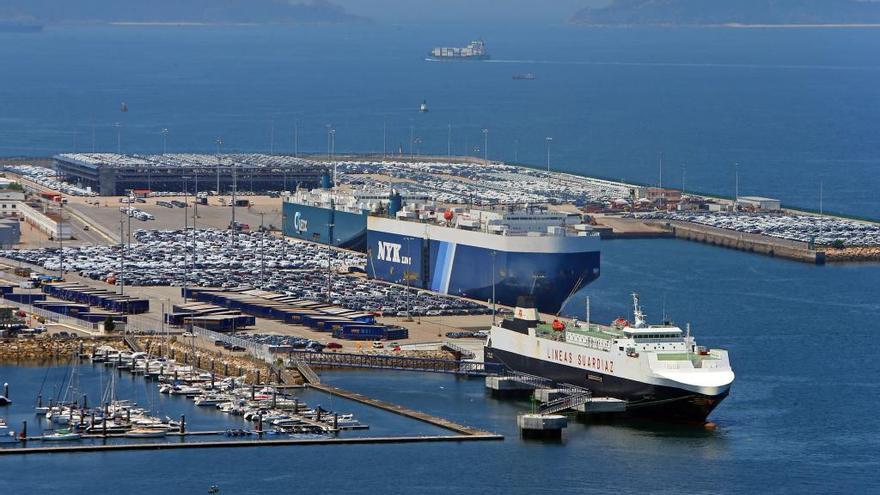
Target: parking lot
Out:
[165,258]
[821,230]
[481,184]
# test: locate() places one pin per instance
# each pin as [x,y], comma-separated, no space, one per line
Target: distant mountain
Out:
[197,11]
[714,12]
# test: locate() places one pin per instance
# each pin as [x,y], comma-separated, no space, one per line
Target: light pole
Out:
[333,152]
[121,255]
[418,143]
[329,127]
[130,201]
[385,137]
[262,253]
[549,140]
[232,231]
[185,229]
[219,143]
[329,261]
[118,127]
[412,132]
[61,239]
[515,150]
[486,144]
[449,140]
[164,140]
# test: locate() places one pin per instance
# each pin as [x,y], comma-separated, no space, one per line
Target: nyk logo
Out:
[389,251]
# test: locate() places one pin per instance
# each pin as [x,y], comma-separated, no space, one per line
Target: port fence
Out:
[257,350]
[53,317]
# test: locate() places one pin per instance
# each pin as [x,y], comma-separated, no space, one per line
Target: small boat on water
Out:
[63,435]
[6,435]
[4,401]
[528,76]
[146,433]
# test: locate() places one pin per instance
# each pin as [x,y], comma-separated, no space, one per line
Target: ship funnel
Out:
[395,204]
[326,182]
[525,309]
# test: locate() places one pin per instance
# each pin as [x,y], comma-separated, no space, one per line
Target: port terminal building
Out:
[112,174]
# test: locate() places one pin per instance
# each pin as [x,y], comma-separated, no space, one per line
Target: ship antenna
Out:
[637,312]
[687,340]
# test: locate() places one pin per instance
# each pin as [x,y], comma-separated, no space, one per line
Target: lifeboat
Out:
[620,322]
[558,326]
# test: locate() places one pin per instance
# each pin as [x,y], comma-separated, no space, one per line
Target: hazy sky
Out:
[548,11]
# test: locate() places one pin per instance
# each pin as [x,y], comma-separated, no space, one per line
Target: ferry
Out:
[470,252]
[475,50]
[658,370]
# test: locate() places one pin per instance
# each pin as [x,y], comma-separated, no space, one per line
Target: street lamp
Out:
[549,140]
[329,128]
[449,141]
[185,179]
[118,127]
[333,152]
[164,140]
[219,143]
[486,144]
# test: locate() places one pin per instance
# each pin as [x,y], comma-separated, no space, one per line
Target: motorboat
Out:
[63,435]
[146,433]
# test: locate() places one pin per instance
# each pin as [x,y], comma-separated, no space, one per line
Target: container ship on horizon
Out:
[459,251]
[475,50]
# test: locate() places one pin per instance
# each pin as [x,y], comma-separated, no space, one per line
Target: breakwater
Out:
[752,243]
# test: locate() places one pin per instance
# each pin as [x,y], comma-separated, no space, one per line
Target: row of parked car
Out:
[241,259]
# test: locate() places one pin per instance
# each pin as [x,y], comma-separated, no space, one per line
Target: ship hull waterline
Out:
[644,400]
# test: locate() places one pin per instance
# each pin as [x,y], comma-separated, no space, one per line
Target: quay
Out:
[752,243]
[248,443]
[404,411]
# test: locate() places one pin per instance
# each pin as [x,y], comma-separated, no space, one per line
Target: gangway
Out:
[392,362]
[306,371]
[459,350]
[566,402]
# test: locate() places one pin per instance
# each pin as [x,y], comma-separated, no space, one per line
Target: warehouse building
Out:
[111,174]
[758,203]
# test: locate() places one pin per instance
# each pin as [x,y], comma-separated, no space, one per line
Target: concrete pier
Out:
[506,386]
[403,411]
[541,425]
[602,405]
[752,243]
[246,443]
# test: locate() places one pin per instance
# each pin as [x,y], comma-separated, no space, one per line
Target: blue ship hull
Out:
[449,267]
[326,226]
[471,271]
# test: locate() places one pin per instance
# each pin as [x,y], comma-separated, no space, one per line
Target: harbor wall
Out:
[747,242]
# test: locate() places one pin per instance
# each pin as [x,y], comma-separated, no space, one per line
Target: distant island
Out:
[174,12]
[731,12]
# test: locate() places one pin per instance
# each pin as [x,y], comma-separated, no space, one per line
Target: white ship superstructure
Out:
[659,370]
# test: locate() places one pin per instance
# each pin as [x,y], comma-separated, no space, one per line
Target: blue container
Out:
[25,298]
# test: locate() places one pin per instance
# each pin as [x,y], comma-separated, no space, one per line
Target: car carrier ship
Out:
[469,252]
[658,370]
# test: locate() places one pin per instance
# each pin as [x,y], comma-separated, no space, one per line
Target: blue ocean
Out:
[785,109]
